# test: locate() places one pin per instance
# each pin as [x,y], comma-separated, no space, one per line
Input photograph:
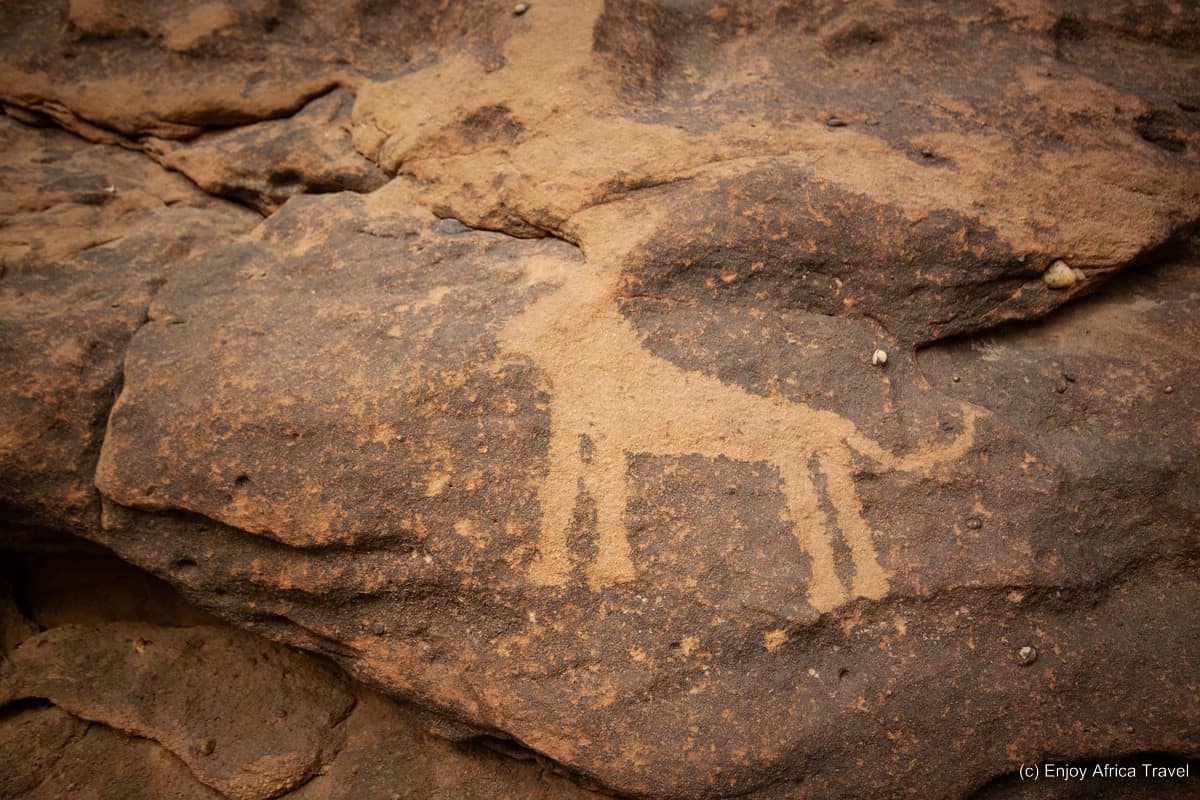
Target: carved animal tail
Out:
[922,458]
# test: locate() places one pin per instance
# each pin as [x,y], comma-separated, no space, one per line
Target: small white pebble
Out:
[1026,656]
[520,8]
[879,358]
[110,189]
[1061,276]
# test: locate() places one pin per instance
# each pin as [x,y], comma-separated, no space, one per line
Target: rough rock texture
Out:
[207,706]
[50,754]
[571,431]
[138,678]
[89,233]
[264,164]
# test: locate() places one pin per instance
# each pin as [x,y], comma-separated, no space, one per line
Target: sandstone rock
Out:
[130,67]
[490,401]
[250,737]
[615,481]
[32,741]
[966,102]
[264,164]
[49,754]
[386,754]
[378,750]
[89,234]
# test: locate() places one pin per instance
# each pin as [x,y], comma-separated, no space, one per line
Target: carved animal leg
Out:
[605,479]
[825,590]
[870,578]
[557,499]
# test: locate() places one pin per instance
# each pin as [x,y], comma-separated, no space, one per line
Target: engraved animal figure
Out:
[610,396]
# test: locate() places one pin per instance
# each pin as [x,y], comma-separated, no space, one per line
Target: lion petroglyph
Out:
[611,397]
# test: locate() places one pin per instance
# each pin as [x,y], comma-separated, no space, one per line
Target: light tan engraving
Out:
[610,397]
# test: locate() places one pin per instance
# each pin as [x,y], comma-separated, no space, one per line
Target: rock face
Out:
[571,434]
[148,697]
[138,678]
[89,234]
[264,164]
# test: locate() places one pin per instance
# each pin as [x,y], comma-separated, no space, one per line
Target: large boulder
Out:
[679,411]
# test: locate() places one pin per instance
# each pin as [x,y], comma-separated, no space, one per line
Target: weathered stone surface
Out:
[89,233]
[249,737]
[264,164]
[568,530]
[635,496]
[378,749]
[173,69]
[49,754]
[1021,116]
[387,754]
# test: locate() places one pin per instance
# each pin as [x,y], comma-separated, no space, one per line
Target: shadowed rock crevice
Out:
[87,608]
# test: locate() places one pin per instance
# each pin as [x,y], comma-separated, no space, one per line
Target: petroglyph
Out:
[611,397]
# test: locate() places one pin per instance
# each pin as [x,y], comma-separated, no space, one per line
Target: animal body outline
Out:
[610,396]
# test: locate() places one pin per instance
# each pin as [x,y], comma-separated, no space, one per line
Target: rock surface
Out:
[254,737]
[89,234]
[182,706]
[50,754]
[264,164]
[571,433]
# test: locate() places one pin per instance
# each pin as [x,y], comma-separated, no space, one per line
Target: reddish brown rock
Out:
[89,234]
[132,68]
[377,749]
[930,555]
[1021,117]
[49,754]
[249,737]
[635,494]
[388,754]
[264,164]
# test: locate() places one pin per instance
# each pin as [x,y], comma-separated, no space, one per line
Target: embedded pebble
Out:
[879,358]
[1061,276]
[834,122]
[1026,655]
